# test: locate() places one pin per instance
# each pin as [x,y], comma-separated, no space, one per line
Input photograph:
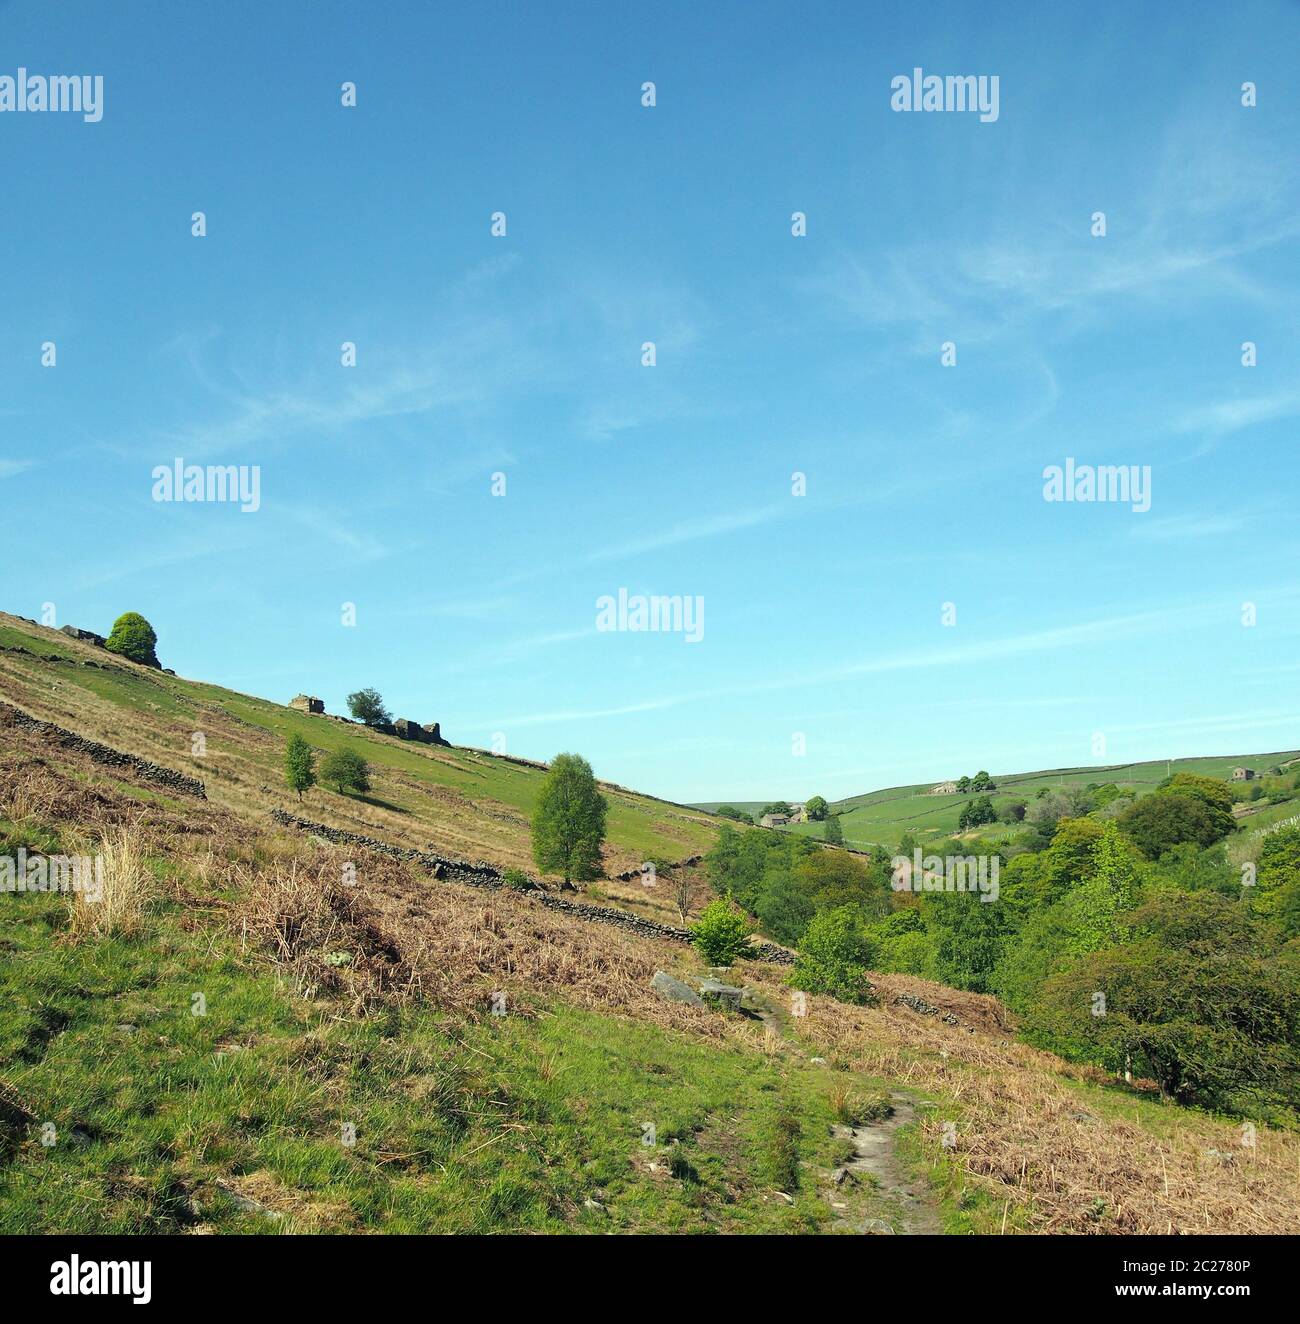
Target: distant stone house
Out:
[943,788]
[1243,774]
[773,820]
[305,703]
[798,814]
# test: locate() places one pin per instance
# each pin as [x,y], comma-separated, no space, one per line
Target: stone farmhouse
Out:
[1243,774]
[943,788]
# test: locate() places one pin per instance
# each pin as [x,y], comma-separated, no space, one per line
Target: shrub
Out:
[722,933]
[834,957]
[346,770]
[1193,1000]
[133,637]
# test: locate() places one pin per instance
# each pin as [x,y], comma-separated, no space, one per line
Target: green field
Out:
[880,818]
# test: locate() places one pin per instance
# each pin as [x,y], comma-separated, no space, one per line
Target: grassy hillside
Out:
[260,1045]
[464,803]
[881,817]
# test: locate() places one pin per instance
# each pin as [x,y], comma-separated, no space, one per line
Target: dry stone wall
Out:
[103,754]
[481,874]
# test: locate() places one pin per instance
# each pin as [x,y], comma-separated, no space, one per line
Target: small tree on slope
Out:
[299,765]
[569,821]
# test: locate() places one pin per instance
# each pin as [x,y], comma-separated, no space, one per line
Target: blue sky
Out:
[775,355]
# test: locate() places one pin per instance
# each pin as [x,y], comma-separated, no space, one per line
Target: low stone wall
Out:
[690,861]
[481,874]
[104,754]
[923,1008]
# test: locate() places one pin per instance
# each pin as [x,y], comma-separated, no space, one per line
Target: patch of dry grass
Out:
[125,889]
[1038,1134]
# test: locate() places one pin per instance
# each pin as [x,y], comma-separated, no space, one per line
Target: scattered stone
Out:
[727,994]
[246,1204]
[924,1008]
[1222,1155]
[817,1061]
[674,990]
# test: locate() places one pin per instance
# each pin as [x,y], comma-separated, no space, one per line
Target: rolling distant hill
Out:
[881,817]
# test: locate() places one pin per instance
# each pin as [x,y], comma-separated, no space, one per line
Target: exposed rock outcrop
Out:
[86,636]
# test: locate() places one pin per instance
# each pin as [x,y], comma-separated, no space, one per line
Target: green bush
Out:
[834,957]
[346,770]
[722,933]
[133,637]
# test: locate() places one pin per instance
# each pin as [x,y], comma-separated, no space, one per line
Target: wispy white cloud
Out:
[361,546]
[1226,416]
[1173,527]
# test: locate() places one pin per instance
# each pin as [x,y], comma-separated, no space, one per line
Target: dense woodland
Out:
[1121,934]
